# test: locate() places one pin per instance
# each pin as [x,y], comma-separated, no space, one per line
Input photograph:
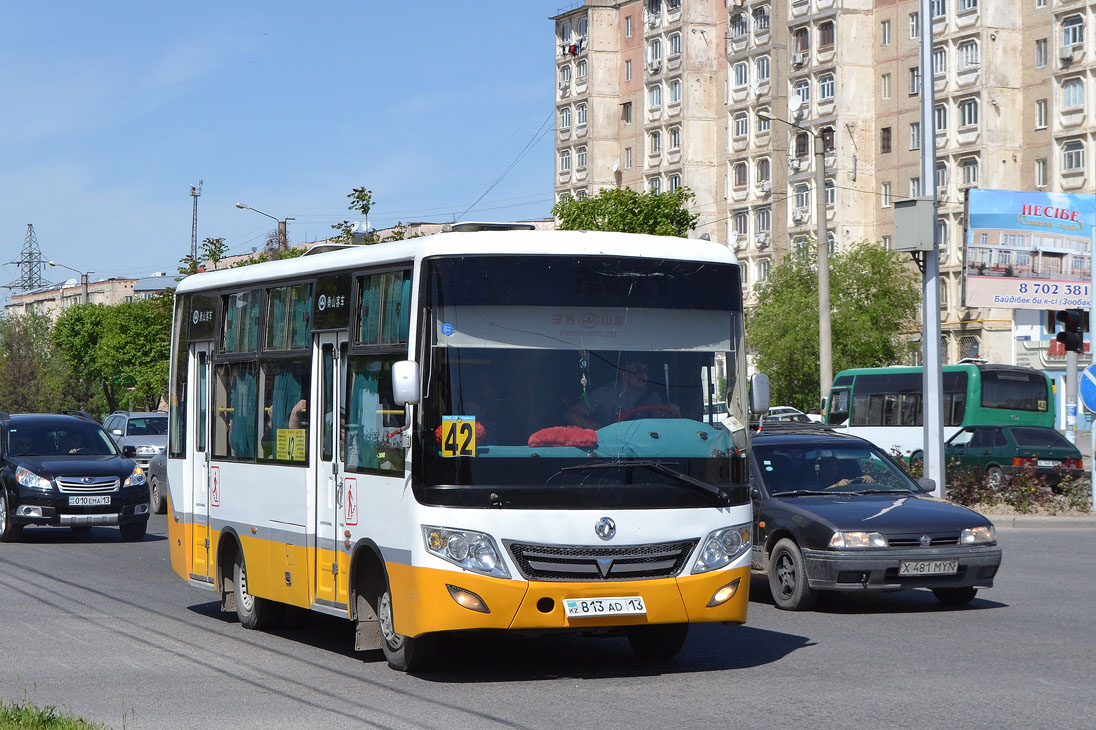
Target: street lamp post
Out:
[83,277]
[283,242]
[825,342]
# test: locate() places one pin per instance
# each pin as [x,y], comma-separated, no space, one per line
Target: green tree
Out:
[873,295]
[33,378]
[211,249]
[624,209]
[361,201]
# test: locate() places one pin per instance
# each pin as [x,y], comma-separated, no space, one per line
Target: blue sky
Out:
[113,110]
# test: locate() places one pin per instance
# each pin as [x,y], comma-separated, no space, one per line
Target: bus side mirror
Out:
[405,382]
[759,393]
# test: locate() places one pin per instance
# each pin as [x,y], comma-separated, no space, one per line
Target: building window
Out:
[565,161]
[1073,156]
[565,32]
[1073,31]
[825,86]
[627,26]
[673,182]
[1040,113]
[802,145]
[915,135]
[831,192]
[655,139]
[739,25]
[654,50]
[968,112]
[825,34]
[1040,3]
[580,69]
[968,54]
[761,19]
[565,118]
[915,80]
[827,139]
[628,70]
[803,90]
[885,241]
[763,169]
[802,40]
[675,91]
[741,174]
[762,122]
[655,185]
[626,112]
[884,33]
[885,86]
[941,175]
[915,26]
[675,44]
[763,270]
[741,74]
[627,158]
[1073,93]
[654,97]
[762,220]
[1041,173]
[967,5]
[580,115]
[741,222]
[915,186]
[675,138]
[802,196]
[970,171]
[565,74]
[761,68]
[939,8]
[885,140]
[741,125]
[939,61]
[941,115]
[1041,53]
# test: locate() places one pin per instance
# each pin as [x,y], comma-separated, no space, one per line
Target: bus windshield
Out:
[579,380]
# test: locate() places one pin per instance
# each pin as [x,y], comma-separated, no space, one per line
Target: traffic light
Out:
[1074,323]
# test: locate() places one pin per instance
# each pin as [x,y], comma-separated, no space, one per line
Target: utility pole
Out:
[195,192]
[825,332]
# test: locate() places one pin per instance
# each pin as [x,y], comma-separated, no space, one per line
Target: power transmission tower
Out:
[195,192]
[30,264]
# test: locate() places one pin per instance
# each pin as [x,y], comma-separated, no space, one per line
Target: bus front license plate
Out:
[87,501]
[928,567]
[590,607]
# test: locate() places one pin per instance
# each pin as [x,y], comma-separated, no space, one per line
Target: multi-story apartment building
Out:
[727,97]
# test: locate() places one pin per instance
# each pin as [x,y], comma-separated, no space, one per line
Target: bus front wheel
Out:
[403,653]
[660,642]
[253,612]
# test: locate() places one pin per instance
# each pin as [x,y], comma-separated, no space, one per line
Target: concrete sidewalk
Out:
[1072,522]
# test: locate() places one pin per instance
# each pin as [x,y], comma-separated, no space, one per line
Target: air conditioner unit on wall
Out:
[765,186]
[763,240]
[793,164]
[799,58]
[798,216]
[1065,54]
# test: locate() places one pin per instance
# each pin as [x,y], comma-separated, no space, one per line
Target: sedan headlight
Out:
[978,535]
[27,478]
[855,540]
[147,450]
[136,479]
[474,551]
[722,547]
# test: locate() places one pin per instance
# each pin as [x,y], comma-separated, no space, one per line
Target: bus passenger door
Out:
[202,476]
[330,562]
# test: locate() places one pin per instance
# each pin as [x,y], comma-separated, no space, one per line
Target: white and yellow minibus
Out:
[476,430]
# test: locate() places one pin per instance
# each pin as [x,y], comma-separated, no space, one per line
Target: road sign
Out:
[1088,387]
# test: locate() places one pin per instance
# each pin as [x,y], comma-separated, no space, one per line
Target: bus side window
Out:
[839,406]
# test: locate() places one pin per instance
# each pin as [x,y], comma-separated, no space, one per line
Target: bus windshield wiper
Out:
[659,467]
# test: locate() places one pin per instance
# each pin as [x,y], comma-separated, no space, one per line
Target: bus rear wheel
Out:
[403,653]
[253,612]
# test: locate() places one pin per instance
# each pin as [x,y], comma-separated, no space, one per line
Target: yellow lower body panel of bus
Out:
[422,601]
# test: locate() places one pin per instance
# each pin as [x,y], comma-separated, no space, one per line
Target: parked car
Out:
[787,413]
[157,483]
[834,513]
[995,453]
[146,432]
[62,470]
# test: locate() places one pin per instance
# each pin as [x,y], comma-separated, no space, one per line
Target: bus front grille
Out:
[582,562]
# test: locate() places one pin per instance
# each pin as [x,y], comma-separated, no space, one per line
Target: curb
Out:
[1041,521]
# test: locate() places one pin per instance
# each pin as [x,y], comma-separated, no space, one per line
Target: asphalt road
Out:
[104,630]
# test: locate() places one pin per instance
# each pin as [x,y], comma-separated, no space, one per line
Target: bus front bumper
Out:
[425,600]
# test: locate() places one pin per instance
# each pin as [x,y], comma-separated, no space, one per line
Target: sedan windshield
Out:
[808,468]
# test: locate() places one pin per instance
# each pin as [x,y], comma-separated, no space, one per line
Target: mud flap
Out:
[367,630]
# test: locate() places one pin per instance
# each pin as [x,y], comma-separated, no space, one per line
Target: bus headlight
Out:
[474,551]
[27,478]
[722,547]
[136,479]
[985,535]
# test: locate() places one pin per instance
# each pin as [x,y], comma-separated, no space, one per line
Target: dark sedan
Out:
[60,470]
[834,513]
[994,453]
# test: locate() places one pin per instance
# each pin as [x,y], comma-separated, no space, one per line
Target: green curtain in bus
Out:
[302,310]
[287,393]
[362,421]
[241,436]
[370,311]
[275,330]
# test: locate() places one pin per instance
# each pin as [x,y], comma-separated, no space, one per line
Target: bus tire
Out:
[253,612]
[788,578]
[9,531]
[660,642]
[403,653]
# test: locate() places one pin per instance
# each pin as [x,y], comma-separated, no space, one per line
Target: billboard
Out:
[1028,250]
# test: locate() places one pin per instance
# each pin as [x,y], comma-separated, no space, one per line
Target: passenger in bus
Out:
[629,397]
